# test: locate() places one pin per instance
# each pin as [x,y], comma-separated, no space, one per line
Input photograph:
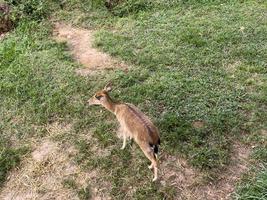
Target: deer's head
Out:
[101,97]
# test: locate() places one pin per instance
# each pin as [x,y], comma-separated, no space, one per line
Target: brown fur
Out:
[133,124]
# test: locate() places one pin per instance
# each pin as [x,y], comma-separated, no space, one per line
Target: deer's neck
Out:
[110,105]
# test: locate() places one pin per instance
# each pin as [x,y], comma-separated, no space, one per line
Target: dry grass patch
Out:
[41,174]
[57,128]
[198,124]
[46,172]
[80,42]
[232,67]
[192,184]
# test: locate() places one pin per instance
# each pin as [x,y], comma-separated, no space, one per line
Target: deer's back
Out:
[137,124]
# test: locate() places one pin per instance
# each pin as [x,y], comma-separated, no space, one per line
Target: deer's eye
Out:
[98,97]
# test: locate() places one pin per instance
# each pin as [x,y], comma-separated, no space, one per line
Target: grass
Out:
[35,73]
[255,188]
[39,87]
[184,55]
[192,61]
[83,193]
[9,158]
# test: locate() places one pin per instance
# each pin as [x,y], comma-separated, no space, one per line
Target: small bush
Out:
[31,9]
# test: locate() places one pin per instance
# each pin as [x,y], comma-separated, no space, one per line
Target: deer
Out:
[134,125]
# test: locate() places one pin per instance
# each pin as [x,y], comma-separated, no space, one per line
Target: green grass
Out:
[192,61]
[184,56]
[37,87]
[254,183]
[255,188]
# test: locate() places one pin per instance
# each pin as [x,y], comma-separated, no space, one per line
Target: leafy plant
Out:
[31,9]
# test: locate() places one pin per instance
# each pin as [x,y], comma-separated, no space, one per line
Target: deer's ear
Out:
[108,87]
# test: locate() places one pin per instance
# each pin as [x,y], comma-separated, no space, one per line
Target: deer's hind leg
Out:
[148,151]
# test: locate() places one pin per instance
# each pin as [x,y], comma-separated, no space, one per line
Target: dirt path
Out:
[80,42]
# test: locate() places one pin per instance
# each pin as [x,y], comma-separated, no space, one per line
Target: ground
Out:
[43,174]
[198,70]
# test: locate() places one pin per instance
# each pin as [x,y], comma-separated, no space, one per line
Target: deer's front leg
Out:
[124,142]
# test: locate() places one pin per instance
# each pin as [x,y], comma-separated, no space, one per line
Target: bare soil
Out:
[198,124]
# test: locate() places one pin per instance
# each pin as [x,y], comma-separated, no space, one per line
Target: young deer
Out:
[133,124]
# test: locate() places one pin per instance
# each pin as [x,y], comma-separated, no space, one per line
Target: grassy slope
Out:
[192,62]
